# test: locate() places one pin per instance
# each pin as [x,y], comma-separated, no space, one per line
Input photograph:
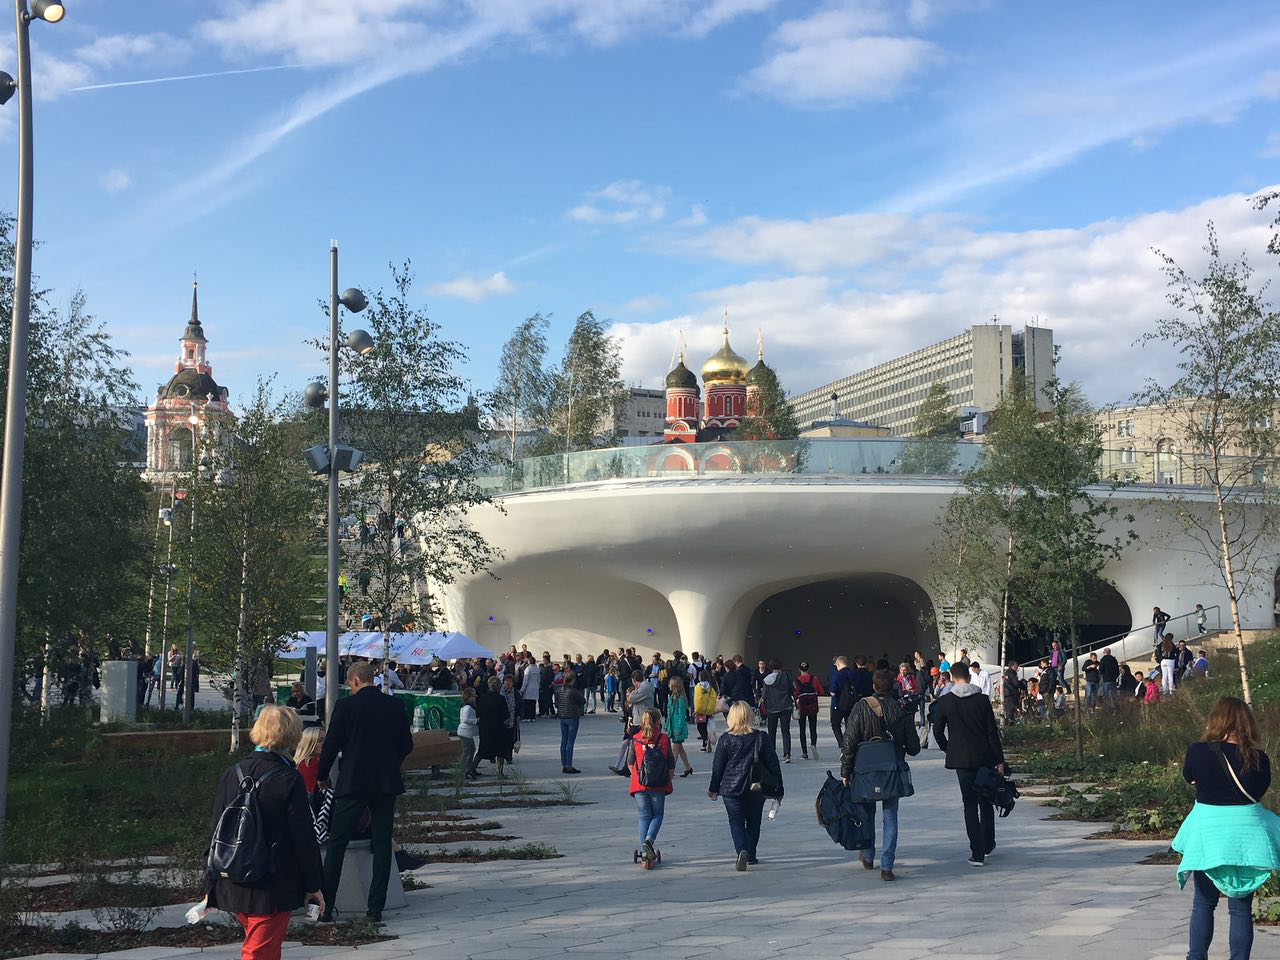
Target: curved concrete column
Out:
[702,616]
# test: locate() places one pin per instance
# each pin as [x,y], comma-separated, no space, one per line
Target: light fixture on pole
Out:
[334,457]
[16,405]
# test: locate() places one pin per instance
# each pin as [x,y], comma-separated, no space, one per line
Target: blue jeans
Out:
[744,821]
[1108,691]
[1204,900]
[650,806]
[890,831]
[1090,695]
[568,734]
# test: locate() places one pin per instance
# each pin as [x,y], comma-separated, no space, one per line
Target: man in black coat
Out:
[964,725]
[371,732]
[1110,668]
[737,683]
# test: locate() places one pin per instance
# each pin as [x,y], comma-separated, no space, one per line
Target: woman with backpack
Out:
[705,700]
[807,691]
[263,894]
[744,771]
[651,765]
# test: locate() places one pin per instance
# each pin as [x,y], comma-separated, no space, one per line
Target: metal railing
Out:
[1190,632]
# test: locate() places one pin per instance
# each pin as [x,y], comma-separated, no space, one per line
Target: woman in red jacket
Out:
[651,766]
[807,691]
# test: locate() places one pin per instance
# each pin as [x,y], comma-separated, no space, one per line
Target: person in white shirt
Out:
[469,733]
[980,678]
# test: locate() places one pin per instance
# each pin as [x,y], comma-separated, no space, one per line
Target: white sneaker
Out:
[976,863]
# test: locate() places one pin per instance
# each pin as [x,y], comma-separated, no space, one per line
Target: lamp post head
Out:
[8,87]
[360,341]
[50,11]
[353,299]
[314,395]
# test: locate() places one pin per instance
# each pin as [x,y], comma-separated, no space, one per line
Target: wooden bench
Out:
[432,748]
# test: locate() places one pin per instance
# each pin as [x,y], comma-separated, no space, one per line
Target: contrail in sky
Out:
[189,76]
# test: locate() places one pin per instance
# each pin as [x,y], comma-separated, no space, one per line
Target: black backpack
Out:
[1001,792]
[238,851]
[654,769]
[847,698]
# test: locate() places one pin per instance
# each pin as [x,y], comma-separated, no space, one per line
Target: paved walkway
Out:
[1046,894]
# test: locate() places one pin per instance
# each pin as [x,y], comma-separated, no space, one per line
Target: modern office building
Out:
[974,367]
[643,414]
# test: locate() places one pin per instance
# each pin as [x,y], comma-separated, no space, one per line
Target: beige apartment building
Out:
[1148,444]
[974,366]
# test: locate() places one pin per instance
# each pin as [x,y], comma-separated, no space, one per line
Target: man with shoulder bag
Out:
[878,737]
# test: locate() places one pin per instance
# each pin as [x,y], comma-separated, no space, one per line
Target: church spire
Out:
[194,331]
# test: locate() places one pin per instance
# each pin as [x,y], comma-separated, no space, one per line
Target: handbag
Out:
[879,771]
[763,780]
[322,812]
[722,705]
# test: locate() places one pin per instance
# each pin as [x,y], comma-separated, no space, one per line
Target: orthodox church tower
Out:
[725,377]
[190,404]
[682,404]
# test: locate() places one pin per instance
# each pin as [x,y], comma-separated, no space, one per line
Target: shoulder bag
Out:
[880,772]
[763,780]
[1217,748]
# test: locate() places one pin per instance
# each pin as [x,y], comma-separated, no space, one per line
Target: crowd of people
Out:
[738,714]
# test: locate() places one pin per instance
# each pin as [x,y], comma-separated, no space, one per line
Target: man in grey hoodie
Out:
[779,703]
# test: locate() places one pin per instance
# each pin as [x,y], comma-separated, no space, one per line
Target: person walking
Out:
[570,703]
[1229,842]
[779,705]
[650,780]
[1159,618]
[731,780]
[705,699]
[843,696]
[807,690]
[263,908]
[964,727]
[371,732]
[1092,681]
[1011,690]
[676,723]
[878,717]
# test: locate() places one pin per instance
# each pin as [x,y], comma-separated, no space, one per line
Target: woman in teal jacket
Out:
[1229,842]
[676,725]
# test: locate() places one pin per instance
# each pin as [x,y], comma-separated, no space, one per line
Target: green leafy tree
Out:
[258,571]
[1066,523]
[522,385]
[770,415]
[1223,406]
[406,407]
[82,564]
[977,560]
[585,394]
[934,432]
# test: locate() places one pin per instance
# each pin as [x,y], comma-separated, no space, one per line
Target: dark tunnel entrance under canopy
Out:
[874,614]
[1106,615]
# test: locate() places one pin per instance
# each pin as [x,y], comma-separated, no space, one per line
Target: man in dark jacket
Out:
[964,726]
[874,718]
[371,732]
[737,682]
[1110,668]
[841,688]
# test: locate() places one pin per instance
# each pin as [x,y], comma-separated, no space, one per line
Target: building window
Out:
[191,353]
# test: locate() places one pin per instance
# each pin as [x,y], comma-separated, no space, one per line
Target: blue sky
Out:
[854,179]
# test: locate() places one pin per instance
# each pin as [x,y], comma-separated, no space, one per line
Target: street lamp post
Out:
[315,396]
[15,422]
[188,689]
[168,518]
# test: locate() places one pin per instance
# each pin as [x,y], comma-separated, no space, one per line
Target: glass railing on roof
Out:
[892,456]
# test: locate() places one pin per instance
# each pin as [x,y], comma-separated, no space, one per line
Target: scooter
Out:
[646,861]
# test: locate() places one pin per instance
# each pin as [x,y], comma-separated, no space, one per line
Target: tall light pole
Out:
[167,517]
[16,407]
[315,396]
[188,689]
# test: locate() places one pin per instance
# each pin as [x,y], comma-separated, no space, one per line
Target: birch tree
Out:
[520,391]
[1222,406]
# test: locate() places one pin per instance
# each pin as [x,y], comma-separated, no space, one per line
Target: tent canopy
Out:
[410,648]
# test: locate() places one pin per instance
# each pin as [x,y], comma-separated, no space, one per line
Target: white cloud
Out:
[115,180]
[1269,85]
[696,217]
[841,56]
[719,12]
[623,202]
[475,289]
[847,307]
[1272,148]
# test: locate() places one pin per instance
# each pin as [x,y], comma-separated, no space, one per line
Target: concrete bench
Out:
[357,874]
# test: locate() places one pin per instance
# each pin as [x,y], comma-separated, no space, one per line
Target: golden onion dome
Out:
[724,366]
